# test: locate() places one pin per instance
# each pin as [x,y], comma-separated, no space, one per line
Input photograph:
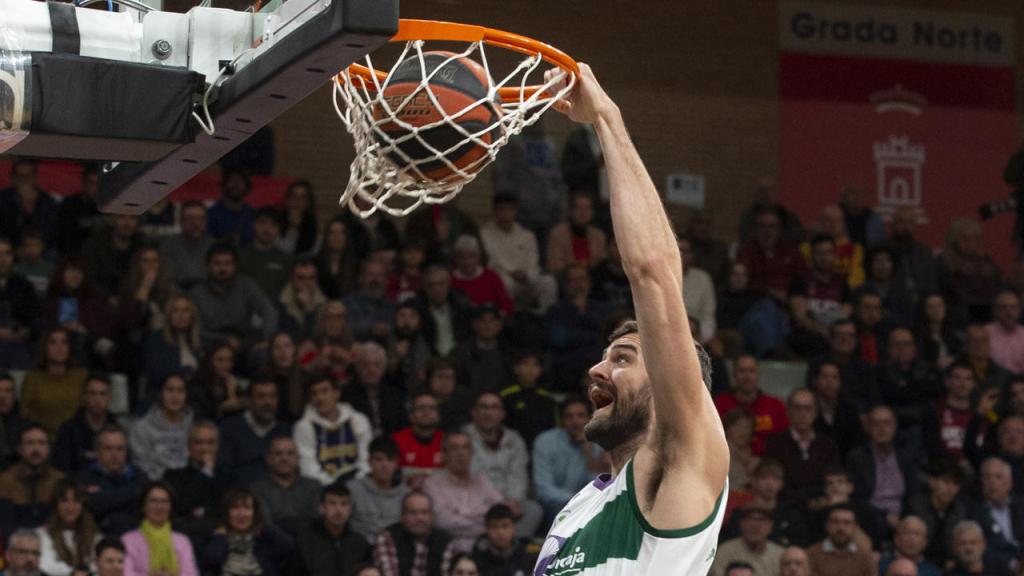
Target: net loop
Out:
[376,183]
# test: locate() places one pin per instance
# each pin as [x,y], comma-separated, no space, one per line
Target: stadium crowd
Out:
[303,394]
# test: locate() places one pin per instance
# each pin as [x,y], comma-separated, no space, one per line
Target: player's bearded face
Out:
[624,419]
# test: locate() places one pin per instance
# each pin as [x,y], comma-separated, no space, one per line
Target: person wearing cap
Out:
[752,546]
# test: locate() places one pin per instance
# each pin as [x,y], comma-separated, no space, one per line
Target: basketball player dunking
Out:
[660,510]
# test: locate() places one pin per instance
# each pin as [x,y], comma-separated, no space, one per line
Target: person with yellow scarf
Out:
[154,549]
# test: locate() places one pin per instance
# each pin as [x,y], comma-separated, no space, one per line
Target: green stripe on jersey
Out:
[612,533]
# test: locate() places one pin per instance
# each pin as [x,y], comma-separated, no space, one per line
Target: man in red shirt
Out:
[479,282]
[947,430]
[772,261]
[419,445]
[769,412]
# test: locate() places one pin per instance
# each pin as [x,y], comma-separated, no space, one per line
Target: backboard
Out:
[157,97]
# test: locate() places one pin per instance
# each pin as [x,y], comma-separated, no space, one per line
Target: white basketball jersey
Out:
[602,532]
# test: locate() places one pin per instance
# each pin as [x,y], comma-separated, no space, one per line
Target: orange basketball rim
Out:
[435,30]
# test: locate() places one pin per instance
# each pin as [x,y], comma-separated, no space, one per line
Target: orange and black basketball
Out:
[460,84]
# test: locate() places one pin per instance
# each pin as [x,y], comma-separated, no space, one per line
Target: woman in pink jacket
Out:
[153,549]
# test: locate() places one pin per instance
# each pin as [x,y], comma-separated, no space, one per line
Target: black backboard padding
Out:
[97,109]
[289,71]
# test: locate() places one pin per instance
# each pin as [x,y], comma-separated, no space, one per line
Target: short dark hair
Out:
[439,363]
[875,252]
[504,199]
[816,371]
[155,485]
[822,239]
[863,293]
[109,543]
[633,327]
[22,161]
[262,379]
[524,353]
[229,174]
[498,512]
[573,400]
[270,213]
[769,466]
[108,429]
[236,495]
[302,183]
[6,376]
[841,507]
[222,248]
[94,377]
[838,323]
[336,488]
[31,426]
[835,469]
[582,192]
[30,232]
[959,365]
[1006,290]
[737,566]
[763,209]
[946,469]
[384,445]
[303,261]
[318,379]
[735,415]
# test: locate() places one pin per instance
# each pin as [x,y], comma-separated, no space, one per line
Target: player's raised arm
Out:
[682,464]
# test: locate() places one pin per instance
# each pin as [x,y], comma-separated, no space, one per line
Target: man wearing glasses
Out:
[22,557]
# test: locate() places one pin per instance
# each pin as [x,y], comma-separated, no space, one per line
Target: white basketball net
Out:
[376,183]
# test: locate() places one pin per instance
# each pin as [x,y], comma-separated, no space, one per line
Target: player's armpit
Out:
[676,490]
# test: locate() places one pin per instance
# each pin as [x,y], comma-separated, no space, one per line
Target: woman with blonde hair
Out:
[174,348]
[330,349]
[69,534]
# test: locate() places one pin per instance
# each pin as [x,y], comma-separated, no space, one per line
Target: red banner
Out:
[918,125]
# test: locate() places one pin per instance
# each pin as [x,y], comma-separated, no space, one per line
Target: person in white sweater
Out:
[513,253]
[500,454]
[67,538]
[698,293]
[333,438]
[158,441]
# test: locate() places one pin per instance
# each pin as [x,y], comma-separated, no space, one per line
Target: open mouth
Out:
[600,397]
